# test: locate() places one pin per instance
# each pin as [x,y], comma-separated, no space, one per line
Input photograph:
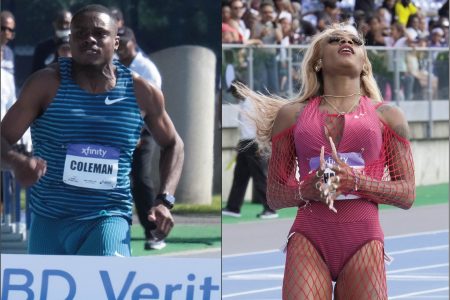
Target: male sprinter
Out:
[86,114]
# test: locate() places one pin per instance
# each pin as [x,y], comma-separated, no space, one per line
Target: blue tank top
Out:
[88,142]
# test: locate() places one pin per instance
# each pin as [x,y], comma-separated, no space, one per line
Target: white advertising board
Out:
[58,277]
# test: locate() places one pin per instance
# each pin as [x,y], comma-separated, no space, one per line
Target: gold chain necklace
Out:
[346,96]
[340,113]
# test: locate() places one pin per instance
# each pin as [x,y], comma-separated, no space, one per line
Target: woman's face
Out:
[286,26]
[343,53]
[415,23]
[395,33]
[374,24]
[226,14]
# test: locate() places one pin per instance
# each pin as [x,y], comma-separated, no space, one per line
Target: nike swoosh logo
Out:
[112,101]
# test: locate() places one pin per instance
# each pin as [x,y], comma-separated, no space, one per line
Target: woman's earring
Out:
[318,65]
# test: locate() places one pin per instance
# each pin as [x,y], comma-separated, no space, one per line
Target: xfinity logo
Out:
[89,151]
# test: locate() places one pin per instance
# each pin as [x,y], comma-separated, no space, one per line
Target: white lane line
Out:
[251,292]
[415,234]
[419,293]
[267,276]
[386,238]
[252,270]
[440,247]
[417,268]
[389,272]
[417,277]
[251,253]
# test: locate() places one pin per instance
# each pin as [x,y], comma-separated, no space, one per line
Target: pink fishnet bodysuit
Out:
[337,236]
[346,246]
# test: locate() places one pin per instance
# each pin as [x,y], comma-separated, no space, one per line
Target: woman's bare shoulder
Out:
[393,117]
[287,116]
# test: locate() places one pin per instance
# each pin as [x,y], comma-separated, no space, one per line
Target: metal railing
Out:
[402,73]
[13,213]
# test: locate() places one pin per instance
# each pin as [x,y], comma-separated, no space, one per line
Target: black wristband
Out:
[167,199]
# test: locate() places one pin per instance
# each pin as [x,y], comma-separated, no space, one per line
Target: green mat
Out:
[182,238]
[425,195]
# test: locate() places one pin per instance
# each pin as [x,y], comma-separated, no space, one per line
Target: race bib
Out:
[91,166]
[353,159]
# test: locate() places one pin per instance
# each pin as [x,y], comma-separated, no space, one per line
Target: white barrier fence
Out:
[111,278]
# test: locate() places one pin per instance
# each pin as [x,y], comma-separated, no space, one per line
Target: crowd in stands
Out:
[288,22]
[387,23]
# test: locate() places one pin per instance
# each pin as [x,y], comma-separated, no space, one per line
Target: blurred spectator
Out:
[8,87]
[237,12]
[423,25]
[361,25]
[417,64]
[412,27]
[384,16]
[120,21]
[44,53]
[288,37]
[443,23]
[403,9]
[229,33]
[374,36]
[249,164]
[118,15]
[284,10]
[397,60]
[389,5]
[141,170]
[63,48]
[329,15]
[437,38]
[8,32]
[269,32]
[365,5]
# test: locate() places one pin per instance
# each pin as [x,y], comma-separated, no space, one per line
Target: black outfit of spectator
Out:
[365,5]
[44,54]
[248,164]
[142,187]
[444,10]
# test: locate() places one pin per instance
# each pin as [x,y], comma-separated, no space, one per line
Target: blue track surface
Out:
[419,270]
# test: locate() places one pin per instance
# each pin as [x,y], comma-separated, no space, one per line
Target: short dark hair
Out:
[117,13]
[93,8]
[126,34]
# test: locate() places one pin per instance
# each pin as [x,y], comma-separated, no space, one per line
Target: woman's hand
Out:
[344,174]
[327,188]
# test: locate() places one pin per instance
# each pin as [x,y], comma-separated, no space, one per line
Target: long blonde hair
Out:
[267,107]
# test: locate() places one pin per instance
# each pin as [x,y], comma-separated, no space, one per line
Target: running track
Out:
[419,270]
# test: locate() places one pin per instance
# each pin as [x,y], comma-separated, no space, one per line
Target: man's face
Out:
[266,14]
[126,49]
[8,30]
[93,38]
[237,10]
[63,22]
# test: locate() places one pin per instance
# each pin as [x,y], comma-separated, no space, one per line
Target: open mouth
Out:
[345,49]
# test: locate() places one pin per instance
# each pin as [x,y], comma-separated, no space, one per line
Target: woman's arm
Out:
[389,180]
[284,189]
